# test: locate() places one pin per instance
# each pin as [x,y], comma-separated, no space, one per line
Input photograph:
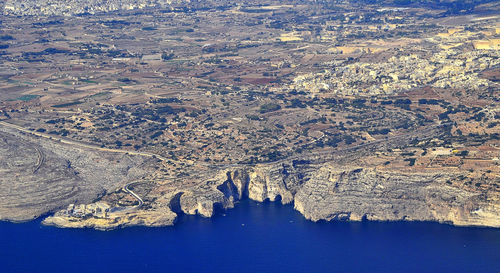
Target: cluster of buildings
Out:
[72,7]
[98,210]
[447,60]
[445,69]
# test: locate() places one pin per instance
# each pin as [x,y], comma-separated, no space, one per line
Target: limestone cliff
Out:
[349,193]
[320,192]
[355,194]
[158,218]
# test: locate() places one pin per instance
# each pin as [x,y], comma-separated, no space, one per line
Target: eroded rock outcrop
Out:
[354,193]
[339,193]
[320,192]
[229,186]
[152,218]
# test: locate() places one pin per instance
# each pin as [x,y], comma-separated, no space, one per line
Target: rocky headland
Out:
[325,191]
[113,190]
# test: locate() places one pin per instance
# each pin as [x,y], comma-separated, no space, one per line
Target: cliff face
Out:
[322,191]
[356,194]
[350,193]
[229,186]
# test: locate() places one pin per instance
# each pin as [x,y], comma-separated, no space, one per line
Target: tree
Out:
[167,56]
[269,107]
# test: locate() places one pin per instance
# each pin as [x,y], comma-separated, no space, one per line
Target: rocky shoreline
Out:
[327,192]
[343,185]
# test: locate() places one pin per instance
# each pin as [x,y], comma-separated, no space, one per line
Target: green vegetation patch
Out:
[269,107]
[89,81]
[28,97]
[67,104]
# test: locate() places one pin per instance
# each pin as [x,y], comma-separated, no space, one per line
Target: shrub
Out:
[269,107]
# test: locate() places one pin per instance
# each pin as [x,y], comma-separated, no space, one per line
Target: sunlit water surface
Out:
[253,237]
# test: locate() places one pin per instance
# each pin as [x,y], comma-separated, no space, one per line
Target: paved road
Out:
[80,144]
[128,190]
[421,133]
[41,159]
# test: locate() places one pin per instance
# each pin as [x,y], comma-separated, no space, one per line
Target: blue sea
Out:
[253,237]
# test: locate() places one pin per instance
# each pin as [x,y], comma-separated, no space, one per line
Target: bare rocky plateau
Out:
[321,188]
